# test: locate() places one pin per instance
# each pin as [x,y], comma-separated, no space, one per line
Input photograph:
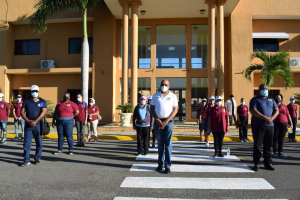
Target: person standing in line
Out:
[231,106]
[293,113]
[33,110]
[93,112]
[242,120]
[18,120]
[4,113]
[200,119]
[153,132]
[63,119]
[264,110]
[204,114]
[218,125]
[81,120]
[164,107]
[280,126]
[143,124]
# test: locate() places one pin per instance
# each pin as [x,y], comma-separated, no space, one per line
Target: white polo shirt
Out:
[164,104]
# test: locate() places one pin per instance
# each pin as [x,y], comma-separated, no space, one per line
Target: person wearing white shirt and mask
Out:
[231,106]
[164,107]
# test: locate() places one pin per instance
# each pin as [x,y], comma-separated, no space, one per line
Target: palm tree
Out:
[48,8]
[273,65]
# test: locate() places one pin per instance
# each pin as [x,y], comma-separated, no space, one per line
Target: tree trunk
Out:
[85,60]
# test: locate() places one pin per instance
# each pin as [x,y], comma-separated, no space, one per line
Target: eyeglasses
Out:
[35,91]
[164,85]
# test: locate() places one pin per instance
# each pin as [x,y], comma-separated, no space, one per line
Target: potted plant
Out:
[126,112]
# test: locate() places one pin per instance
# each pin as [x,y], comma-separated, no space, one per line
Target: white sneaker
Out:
[206,145]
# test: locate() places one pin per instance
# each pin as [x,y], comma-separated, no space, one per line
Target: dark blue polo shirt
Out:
[33,109]
[265,107]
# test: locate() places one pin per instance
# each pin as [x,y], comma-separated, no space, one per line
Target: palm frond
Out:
[250,69]
[261,55]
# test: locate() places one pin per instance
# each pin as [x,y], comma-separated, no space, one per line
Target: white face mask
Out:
[143,102]
[0,99]
[164,88]
[232,98]
[293,101]
[91,104]
[79,99]
[19,99]
[212,101]
[204,103]
[243,103]
[219,103]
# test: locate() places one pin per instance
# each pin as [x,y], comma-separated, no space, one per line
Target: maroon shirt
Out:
[92,110]
[199,110]
[218,119]
[3,114]
[81,116]
[292,110]
[283,115]
[18,107]
[205,113]
[242,110]
[65,110]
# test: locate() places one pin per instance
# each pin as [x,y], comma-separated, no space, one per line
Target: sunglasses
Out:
[35,91]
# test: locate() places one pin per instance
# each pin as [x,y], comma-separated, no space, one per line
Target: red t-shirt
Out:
[3,114]
[18,107]
[282,117]
[92,110]
[292,110]
[218,119]
[81,116]
[66,110]
[199,110]
[242,110]
[205,113]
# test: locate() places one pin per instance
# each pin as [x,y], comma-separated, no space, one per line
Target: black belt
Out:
[163,119]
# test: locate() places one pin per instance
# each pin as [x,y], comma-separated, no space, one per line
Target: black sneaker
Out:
[16,138]
[24,164]
[294,140]
[220,155]
[36,162]
[269,167]
[78,144]
[245,140]
[215,155]
[167,170]
[22,138]
[82,144]
[153,145]
[290,140]
[256,167]
[57,152]
[159,168]
[71,152]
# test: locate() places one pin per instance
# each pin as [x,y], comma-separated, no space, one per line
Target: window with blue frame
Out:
[269,45]
[27,47]
[75,45]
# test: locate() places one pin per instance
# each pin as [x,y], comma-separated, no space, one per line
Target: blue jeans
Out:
[233,115]
[293,135]
[31,131]
[3,127]
[164,139]
[17,122]
[65,129]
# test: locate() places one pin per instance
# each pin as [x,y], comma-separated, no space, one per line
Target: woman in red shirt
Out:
[93,112]
[218,124]
[63,118]
[280,126]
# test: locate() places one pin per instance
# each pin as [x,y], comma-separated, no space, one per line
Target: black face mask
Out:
[278,101]
[66,98]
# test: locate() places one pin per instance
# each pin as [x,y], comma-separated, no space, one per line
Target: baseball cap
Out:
[1,95]
[149,98]
[211,97]
[292,98]
[19,96]
[34,87]
[204,99]
[218,98]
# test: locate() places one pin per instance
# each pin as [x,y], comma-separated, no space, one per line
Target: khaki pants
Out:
[92,128]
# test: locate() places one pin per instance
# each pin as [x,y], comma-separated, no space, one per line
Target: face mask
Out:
[278,101]
[243,103]
[66,98]
[1,99]
[232,98]
[91,104]
[164,88]
[143,102]
[293,101]
[212,101]
[79,99]
[34,94]
[264,93]
[204,103]
[219,103]
[18,99]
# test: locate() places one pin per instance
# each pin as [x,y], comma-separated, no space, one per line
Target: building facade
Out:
[200,46]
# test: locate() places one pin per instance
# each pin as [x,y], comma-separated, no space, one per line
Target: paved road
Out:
[103,171]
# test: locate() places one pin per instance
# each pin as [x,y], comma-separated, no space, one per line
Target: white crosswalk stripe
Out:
[200,145]
[146,198]
[188,150]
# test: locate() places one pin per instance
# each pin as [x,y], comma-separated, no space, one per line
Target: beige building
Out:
[201,46]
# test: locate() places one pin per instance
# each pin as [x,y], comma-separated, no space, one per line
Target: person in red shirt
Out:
[4,113]
[204,114]
[200,119]
[280,126]
[93,112]
[18,120]
[293,113]
[242,120]
[63,119]
[81,120]
[218,125]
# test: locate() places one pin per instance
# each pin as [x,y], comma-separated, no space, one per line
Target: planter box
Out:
[125,119]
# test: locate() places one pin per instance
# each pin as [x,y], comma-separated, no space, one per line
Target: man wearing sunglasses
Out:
[164,107]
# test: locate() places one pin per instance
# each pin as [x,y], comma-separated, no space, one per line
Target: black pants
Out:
[80,130]
[280,130]
[153,137]
[293,135]
[243,127]
[218,141]
[143,135]
[262,135]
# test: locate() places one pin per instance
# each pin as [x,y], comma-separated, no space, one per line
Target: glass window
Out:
[144,47]
[170,46]
[269,45]
[27,47]
[75,45]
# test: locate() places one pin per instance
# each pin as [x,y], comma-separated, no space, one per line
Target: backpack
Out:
[82,104]
[45,128]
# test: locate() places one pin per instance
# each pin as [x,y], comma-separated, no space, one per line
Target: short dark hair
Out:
[231,96]
[79,94]
[242,99]
[67,93]
[279,95]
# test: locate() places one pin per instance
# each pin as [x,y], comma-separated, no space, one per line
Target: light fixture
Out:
[202,11]
[171,48]
[143,12]
[195,28]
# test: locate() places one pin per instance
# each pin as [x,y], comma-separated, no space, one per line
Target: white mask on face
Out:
[204,103]
[293,101]
[91,104]
[19,99]
[232,98]
[212,101]
[1,99]
[243,103]
[164,88]
[219,103]
[143,102]
[79,99]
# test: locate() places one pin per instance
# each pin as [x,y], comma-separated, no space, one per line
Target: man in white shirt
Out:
[164,107]
[231,106]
